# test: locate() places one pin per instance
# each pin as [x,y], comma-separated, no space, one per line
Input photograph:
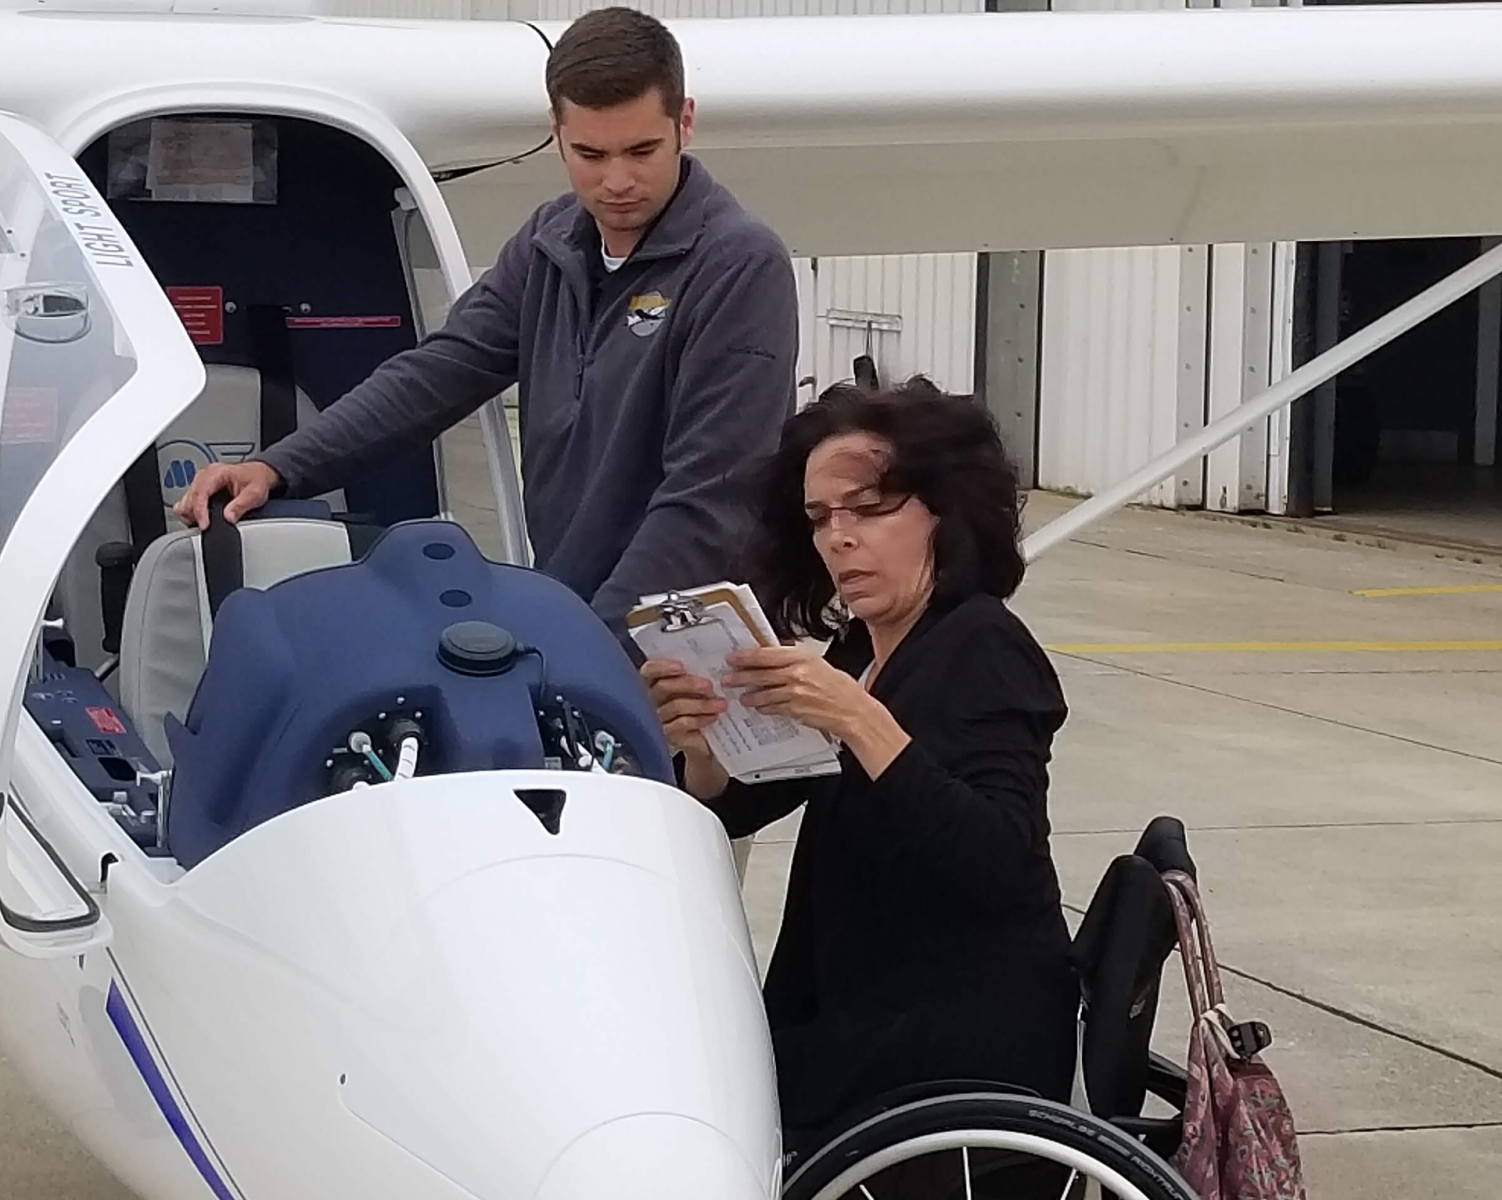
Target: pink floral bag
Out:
[1239,1141]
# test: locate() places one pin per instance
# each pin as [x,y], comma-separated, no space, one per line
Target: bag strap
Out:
[1189,952]
[1209,964]
[1242,1040]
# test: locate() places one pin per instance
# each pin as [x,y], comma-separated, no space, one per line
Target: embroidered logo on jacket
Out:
[645,314]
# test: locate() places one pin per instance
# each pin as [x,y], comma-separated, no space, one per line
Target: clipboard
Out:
[677,611]
[700,628]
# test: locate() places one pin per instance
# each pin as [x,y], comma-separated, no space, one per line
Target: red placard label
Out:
[201,310]
[105,720]
[344,322]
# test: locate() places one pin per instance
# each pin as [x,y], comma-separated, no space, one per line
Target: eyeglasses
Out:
[822,516]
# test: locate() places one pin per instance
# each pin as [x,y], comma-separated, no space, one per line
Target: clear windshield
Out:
[80,398]
[63,353]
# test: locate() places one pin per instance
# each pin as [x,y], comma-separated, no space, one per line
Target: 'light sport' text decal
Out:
[89,219]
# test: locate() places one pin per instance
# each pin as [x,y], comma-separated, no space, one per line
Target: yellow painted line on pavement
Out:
[1268,647]
[1469,589]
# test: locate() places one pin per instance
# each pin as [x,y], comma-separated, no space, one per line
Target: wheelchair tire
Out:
[1084,1147]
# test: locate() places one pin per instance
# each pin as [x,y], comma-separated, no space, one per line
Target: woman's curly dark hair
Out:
[945,450]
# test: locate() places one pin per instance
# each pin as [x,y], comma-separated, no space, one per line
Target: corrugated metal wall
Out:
[1247,309]
[1140,347]
[1112,386]
[931,295]
[1123,366]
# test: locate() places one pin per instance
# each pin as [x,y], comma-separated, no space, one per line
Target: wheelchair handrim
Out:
[982,1139]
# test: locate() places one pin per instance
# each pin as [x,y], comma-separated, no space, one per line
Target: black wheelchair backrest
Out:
[1164,844]
[1123,941]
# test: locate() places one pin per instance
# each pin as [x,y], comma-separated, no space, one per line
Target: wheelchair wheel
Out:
[984,1146]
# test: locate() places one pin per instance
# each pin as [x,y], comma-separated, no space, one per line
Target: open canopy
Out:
[93,362]
[63,350]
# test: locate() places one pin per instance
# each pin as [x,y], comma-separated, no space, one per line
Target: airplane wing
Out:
[886,134]
[1010,131]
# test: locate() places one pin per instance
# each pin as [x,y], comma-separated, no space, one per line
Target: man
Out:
[649,320]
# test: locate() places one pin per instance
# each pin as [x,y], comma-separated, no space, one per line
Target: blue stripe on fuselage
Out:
[130,1034]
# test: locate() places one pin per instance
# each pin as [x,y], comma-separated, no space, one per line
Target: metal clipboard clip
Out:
[680,612]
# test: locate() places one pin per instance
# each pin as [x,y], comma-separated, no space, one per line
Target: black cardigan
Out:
[932,889]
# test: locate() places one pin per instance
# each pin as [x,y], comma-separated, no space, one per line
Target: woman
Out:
[923,937]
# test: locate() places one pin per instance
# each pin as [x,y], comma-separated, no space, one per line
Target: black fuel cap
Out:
[477,648]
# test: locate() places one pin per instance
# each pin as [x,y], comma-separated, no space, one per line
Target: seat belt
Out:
[272,347]
[146,520]
[144,510]
[222,557]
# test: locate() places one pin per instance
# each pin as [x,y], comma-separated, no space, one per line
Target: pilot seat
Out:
[240,409]
[169,610]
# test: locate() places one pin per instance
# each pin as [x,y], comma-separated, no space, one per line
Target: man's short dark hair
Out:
[612,56]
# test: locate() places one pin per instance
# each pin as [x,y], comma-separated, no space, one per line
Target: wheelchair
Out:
[983,1140]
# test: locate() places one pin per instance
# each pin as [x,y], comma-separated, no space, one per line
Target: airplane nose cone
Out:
[509,1010]
[652,1157]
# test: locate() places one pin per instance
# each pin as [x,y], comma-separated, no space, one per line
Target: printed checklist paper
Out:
[751,746]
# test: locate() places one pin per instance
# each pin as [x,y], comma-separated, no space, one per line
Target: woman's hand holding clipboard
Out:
[700,629]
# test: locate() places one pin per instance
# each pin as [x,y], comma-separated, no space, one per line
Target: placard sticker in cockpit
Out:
[199,161]
[201,310]
[196,160]
[29,416]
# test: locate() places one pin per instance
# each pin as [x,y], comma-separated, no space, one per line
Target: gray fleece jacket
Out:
[644,393]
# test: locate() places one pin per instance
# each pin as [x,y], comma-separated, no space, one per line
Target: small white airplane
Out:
[238,960]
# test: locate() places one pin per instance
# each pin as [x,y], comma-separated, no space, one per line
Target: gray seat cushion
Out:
[165,640]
